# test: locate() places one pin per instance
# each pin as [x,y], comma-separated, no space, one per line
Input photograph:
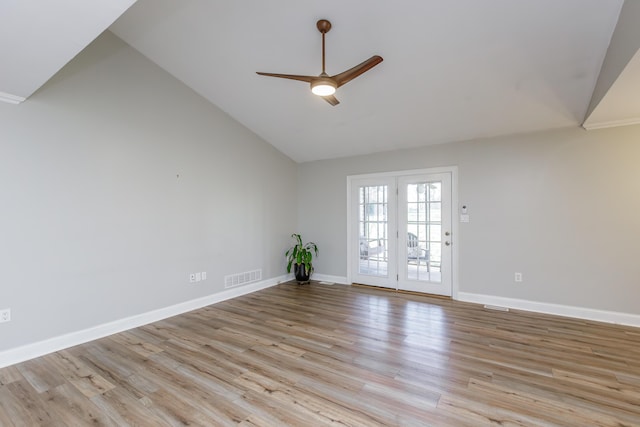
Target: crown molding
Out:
[611,124]
[11,99]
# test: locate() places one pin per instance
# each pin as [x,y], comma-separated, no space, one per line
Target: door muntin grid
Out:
[397,227]
[373,225]
[424,231]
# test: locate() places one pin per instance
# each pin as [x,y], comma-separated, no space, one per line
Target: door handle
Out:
[447,243]
[446,233]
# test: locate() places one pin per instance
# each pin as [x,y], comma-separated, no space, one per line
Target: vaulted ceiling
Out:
[453,69]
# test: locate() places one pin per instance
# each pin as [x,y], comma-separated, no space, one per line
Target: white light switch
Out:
[198,277]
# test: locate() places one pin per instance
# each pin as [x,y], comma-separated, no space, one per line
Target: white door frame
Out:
[454,217]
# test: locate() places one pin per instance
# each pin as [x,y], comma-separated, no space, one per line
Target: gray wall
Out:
[562,207]
[96,225]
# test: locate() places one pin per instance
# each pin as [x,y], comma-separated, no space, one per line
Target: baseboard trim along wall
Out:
[339,280]
[37,349]
[557,309]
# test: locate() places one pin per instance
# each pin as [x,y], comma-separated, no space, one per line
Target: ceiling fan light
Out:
[323,87]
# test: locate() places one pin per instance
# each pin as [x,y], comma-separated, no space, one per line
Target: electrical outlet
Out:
[5,315]
[518,277]
[198,277]
[204,275]
[192,278]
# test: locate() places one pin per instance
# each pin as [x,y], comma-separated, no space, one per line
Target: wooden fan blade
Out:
[346,76]
[331,100]
[290,76]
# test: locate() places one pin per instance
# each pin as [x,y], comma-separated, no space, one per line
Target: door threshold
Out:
[401,291]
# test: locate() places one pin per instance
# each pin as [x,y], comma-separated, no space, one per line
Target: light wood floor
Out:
[319,355]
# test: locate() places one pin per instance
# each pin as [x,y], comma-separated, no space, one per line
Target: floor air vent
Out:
[242,278]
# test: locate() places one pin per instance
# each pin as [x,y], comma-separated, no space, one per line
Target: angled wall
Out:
[117,182]
[624,46]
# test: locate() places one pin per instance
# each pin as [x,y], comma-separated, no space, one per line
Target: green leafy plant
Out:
[301,254]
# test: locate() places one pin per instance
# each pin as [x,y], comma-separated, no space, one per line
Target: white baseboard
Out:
[37,349]
[286,278]
[557,309]
[340,280]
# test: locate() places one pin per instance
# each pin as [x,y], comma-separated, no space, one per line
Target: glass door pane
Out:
[424,206]
[424,233]
[373,243]
[373,224]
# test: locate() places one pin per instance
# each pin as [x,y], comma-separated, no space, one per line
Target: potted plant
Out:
[301,256]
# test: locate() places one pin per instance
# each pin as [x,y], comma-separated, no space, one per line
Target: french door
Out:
[401,232]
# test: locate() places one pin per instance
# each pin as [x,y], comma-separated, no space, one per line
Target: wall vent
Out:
[242,278]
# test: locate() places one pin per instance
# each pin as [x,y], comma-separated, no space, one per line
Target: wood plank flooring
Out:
[337,355]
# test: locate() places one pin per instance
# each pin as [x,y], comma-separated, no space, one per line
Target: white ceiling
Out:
[453,69]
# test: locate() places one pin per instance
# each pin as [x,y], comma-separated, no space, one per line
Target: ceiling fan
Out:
[325,85]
